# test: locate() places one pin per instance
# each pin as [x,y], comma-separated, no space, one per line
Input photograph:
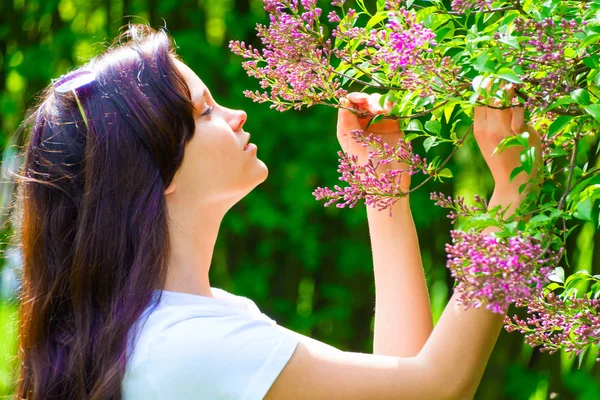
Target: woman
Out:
[130,167]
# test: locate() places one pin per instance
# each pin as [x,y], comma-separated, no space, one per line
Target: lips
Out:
[247,143]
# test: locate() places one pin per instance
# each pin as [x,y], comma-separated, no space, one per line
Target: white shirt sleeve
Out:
[230,357]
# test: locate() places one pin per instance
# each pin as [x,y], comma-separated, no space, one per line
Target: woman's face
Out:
[217,166]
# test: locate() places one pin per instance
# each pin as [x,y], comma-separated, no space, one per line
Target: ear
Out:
[170,189]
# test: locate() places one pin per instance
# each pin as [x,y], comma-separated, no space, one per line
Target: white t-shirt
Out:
[197,347]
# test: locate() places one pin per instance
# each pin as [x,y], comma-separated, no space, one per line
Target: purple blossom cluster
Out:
[457,206]
[294,63]
[381,188]
[477,5]
[401,44]
[544,57]
[496,272]
[572,324]
[403,51]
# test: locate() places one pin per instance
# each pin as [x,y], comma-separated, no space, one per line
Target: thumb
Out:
[347,121]
[518,120]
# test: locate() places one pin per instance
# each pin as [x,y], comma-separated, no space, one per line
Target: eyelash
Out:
[208,111]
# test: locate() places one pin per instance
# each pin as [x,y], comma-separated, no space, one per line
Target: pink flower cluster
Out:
[496,272]
[477,5]
[295,61]
[553,323]
[379,189]
[544,58]
[403,51]
[401,44]
[457,206]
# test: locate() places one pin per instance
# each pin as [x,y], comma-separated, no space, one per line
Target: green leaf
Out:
[430,142]
[511,141]
[560,102]
[433,126]
[414,125]
[511,41]
[557,275]
[445,173]
[527,159]
[509,75]
[553,286]
[582,356]
[539,218]
[558,124]
[411,136]
[584,210]
[515,172]
[559,152]
[376,19]
[581,96]
[442,33]
[375,120]
[589,40]
[593,110]
[592,61]
[595,290]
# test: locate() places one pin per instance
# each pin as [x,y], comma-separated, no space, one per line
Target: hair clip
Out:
[73,81]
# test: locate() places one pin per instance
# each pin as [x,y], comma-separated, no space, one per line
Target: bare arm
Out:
[453,359]
[403,320]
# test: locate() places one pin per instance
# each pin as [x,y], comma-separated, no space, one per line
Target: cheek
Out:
[215,145]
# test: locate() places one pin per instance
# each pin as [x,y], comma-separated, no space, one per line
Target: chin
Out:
[265,171]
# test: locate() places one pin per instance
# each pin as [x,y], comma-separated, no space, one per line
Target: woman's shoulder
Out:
[189,317]
[200,339]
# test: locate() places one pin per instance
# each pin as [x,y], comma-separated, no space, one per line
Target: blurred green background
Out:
[308,267]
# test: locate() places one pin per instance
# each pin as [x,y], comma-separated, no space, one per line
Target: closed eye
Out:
[208,111]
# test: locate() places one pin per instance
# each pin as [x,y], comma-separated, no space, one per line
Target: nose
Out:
[238,118]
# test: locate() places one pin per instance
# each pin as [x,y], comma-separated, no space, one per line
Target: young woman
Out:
[130,167]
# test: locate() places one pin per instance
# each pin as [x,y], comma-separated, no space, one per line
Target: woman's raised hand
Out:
[387,129]
[490,128]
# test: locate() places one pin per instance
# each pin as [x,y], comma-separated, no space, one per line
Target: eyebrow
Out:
[196,99]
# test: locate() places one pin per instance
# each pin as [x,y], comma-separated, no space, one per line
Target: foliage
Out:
[440,63]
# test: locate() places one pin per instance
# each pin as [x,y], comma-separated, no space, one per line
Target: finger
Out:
[480,117]
[388,107]
[484,87]
[518,120]
[510,93]
[500,118]
[347,121]
[358,97]
[373,104]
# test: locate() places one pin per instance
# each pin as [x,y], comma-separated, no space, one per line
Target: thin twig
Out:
[365,114]
[483,11]
[443,164]
[562,201]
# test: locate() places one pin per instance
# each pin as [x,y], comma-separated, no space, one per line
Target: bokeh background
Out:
[306,266]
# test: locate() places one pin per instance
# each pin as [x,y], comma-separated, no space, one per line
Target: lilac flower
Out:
[495,272]
[294,63]
[398,46]
[543,57]
[380,190]
[572,324]
[333,17]
[457,206]
[478,5]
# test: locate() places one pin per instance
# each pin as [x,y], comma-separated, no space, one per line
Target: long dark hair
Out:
[92,217]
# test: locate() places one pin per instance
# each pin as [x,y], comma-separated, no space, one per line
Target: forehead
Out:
[195,84]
